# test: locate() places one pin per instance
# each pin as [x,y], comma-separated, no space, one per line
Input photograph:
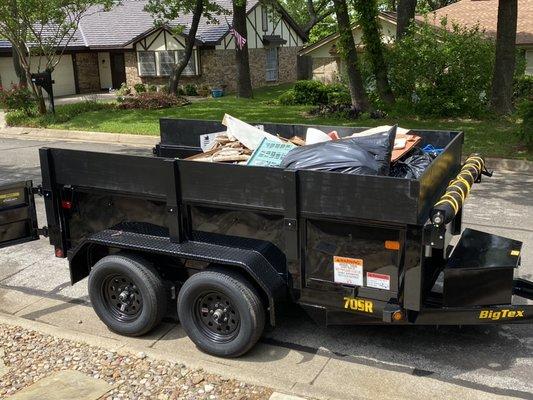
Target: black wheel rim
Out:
[216,316]
[122,298]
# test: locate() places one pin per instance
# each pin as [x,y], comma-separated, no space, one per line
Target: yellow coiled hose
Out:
[458,189]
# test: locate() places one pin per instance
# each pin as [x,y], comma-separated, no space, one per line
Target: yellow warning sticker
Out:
[515,253]
[348,271]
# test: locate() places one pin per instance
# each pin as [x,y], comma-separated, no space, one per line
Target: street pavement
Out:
[493,360]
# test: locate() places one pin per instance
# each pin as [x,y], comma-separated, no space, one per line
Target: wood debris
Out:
[227,148]
[224,149]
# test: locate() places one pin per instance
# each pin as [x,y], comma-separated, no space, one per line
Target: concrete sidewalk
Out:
[318,375]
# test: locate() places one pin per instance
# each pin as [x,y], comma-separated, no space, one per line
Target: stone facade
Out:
[326,69]
[132,74]
[86,65]
[218,69]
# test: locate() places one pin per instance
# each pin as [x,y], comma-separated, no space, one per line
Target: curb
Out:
[509,164]
[152,140]
[85,136]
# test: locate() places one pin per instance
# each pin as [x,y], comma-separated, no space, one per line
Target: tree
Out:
[405,15]
[346,45]
[424,6]
[369,22]
[242,58]
[43,29]
[165,11]
[308,13]
[504,65]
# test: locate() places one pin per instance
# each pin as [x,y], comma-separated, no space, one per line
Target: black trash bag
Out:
[412,167]
[366,155]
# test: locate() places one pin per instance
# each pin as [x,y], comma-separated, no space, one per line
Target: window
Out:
[190,69]
[146,63]
[167,59]
[264,18]
[272,66]
[160,63]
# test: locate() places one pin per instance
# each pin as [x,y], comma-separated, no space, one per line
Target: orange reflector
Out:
[392,245]
[397,316]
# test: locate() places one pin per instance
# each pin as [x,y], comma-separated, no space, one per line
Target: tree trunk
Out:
[242,58]
[369,23]
[349,55]
[190,41]
[504,65]
[404,16]
[19,70]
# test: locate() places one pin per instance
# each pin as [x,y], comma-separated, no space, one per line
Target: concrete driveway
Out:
[491,360]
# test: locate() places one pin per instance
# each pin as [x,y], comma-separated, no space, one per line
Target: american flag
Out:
[239,39]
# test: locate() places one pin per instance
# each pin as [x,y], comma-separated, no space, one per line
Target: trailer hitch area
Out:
[523,288]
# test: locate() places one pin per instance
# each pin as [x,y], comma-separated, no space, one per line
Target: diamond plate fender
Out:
[265,275]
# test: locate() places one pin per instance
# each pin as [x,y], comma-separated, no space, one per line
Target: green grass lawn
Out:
[492,136]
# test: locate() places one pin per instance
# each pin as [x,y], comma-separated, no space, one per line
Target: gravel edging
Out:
[30,356]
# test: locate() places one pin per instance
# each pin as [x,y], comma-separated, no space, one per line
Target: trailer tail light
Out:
[392,245]
[66,205]
[397,316]
[59,253]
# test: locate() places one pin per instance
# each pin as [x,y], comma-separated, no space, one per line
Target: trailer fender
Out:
[249,261]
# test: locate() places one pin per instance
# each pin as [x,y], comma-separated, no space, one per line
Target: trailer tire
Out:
[127,294]
[222,314]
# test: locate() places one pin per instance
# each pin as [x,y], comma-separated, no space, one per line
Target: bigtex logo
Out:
[496,315]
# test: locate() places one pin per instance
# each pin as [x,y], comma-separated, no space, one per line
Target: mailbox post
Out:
[44,80]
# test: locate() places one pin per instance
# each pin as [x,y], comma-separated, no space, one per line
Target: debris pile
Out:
[365,152]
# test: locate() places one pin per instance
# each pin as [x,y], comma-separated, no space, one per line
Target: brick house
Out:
[122,45]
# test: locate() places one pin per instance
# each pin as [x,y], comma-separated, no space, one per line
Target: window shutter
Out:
[147,65]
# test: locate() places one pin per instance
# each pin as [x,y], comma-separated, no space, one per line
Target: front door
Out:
[118,69]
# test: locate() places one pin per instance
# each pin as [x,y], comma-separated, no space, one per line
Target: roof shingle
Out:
[127,21]
[485,13]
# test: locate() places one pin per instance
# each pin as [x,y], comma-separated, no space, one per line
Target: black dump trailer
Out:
[228,246]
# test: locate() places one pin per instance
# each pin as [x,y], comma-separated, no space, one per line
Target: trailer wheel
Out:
[222,314]
[127,294]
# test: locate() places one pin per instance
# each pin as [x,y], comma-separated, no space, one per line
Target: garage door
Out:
[63,74]
[7,72]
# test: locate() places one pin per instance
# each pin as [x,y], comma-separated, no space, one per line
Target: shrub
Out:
[124,90]
[152,101]
[339,98]
[525,110]
[191,90]
[336,110]
[18,97]
[151,88]
[310,92]
[288,98]
[139,88]
[443,72]
[315,93]
[523,88]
